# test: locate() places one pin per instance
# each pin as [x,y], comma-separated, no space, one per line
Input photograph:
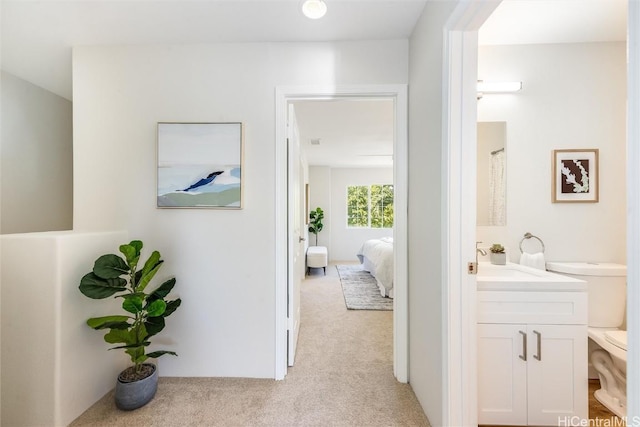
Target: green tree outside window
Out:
[370,206]
[358,206]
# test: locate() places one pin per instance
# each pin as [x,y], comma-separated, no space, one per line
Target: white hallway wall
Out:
[49,357]
[36,154]
[426,298]
[573,96]
[224,260]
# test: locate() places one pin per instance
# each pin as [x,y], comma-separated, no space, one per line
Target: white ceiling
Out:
[555,21]
[357,142]
[351,133]
[37,38]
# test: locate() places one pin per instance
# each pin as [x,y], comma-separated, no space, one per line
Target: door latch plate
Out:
[472,268]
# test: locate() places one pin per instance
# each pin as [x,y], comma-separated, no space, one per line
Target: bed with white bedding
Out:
[376,257]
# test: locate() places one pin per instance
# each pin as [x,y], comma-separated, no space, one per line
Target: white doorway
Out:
[461,74]
[397,93]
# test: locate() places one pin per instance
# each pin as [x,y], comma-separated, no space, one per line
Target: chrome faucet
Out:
[482,252]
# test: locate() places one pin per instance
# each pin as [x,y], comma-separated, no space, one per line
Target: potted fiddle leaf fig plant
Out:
[315,222]
[144,316]
[498,255]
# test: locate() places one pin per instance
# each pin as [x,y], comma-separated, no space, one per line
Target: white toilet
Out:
[606,287]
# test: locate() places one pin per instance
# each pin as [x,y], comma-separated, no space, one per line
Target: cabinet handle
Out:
[538,355]
[523,356]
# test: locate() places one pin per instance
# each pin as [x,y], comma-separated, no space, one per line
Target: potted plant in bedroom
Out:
[498,256]
[315,222]
[144,316]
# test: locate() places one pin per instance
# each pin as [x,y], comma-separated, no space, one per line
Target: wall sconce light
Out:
[314,9]
[497,87]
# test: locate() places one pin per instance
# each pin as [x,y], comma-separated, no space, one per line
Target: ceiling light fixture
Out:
[314,9]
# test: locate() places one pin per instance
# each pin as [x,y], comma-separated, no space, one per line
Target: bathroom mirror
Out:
[491,174]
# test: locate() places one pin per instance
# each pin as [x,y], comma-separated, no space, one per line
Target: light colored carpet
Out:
[343,377]
[360,289]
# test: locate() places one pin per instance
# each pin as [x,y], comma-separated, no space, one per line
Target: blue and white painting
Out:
[200,165]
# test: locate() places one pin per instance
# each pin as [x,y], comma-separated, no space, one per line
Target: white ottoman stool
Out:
[317,258]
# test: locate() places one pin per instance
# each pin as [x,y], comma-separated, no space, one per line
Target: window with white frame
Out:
[370,206]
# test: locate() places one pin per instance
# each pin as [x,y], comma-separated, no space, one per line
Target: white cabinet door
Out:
[557,373]
[549,387]
[502,374]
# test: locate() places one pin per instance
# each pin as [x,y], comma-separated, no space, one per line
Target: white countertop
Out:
[516,277]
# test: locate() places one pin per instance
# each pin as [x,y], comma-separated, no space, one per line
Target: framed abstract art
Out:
[200,165]
[575,176]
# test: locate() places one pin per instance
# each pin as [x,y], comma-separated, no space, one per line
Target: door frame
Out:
[460,75]
[398,93]
[459,126]
[633,210]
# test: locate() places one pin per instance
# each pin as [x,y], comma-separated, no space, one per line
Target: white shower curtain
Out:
[497,189]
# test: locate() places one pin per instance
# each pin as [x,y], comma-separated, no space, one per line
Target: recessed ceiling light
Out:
[314,9]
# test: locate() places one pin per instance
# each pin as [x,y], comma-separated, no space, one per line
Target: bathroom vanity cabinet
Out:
[532,357]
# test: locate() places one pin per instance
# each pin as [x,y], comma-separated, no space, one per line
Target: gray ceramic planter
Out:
[138,393]
[498,258]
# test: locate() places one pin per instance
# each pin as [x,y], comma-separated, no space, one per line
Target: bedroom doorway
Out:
[396,97]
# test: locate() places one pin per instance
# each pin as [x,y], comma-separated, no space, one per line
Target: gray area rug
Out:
[360,289]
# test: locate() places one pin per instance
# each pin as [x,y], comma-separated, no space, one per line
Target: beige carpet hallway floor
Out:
[343,376]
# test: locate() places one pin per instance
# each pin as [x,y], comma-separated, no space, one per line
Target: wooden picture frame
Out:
[575,176]
[306,204]
[200,165]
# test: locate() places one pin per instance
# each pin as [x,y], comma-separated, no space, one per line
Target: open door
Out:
[296,234]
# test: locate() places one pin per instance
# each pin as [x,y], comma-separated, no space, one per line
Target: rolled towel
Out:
[533,260]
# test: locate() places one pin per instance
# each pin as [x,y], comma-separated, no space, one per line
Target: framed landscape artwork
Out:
[575,176]
[200,165]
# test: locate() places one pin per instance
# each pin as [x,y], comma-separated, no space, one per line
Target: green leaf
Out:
[98,288]
[151,263]
[154,325]
[128,251]
[159,353]
[142,333]
[137,276]
[156,308]
[148,273]
[137,244]
[130,255]
[132,305]
[164,289]
[172,306]
[110,266]
[120,335]
[111,322]
[146,278]
[121,325]
[140,345]
[133,295]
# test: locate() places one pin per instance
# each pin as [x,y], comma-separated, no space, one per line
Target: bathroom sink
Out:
[509,270]
[516,277]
